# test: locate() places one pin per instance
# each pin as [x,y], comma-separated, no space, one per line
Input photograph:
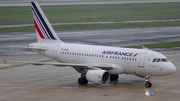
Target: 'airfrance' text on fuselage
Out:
[118,53]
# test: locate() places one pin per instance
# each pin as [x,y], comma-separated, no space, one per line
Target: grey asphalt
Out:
[77,2]
[48,83]
[108,37]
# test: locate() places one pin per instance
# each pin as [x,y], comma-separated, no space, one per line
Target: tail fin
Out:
[44,30]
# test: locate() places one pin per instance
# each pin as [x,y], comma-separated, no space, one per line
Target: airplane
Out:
[97,64]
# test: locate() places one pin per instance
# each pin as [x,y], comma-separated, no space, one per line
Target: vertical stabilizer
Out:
[44,30]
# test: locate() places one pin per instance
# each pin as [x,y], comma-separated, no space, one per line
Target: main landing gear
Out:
[148,84]
[82,80]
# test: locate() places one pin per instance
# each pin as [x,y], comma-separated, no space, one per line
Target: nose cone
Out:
[171,68]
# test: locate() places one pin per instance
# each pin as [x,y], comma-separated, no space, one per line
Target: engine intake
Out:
[98,76]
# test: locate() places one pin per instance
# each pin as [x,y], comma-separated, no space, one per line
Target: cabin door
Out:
[102,57]
[56,48]
[141,62]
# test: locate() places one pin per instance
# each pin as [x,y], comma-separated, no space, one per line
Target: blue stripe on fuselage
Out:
[41,26]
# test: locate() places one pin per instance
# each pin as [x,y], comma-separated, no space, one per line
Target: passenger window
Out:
[106,56]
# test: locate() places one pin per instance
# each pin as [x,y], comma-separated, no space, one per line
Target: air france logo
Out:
[120,53]
[135,55]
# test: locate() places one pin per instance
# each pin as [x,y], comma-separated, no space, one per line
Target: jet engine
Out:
[98,76]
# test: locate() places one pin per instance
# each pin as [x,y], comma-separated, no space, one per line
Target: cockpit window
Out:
[154,60]
[164,60]
[158,60]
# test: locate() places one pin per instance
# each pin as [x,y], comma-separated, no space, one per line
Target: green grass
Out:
[89,13]
[93,26]
[17,29]
[115,25]
[159,45]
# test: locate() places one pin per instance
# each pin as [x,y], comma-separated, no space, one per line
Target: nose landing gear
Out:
[148,84]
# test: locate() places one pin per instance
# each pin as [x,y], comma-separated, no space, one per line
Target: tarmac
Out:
[26,82]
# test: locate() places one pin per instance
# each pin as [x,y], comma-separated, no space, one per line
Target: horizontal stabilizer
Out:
[29,48]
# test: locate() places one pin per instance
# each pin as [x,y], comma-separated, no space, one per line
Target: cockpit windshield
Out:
[160,60]
[164,60]
[154,60]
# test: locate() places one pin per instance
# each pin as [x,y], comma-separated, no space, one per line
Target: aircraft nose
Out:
[172,68]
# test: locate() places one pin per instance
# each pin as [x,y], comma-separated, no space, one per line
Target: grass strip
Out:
[93,13]
[93,26]
[159,45]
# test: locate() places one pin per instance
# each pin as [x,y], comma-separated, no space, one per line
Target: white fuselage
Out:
[124,60]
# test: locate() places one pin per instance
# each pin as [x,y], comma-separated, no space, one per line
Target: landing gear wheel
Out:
[148,84]
[82,81]
[114,77]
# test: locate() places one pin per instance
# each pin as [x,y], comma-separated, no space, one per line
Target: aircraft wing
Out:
[30,48]
[74,65]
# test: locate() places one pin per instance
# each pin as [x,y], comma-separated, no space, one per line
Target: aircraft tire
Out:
[82,81]
[148,84]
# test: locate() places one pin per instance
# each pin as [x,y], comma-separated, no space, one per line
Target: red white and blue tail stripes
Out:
[42,25]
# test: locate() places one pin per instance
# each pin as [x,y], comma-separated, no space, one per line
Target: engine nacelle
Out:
[98,76]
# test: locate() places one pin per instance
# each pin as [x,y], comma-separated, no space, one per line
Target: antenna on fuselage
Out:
[143,47]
